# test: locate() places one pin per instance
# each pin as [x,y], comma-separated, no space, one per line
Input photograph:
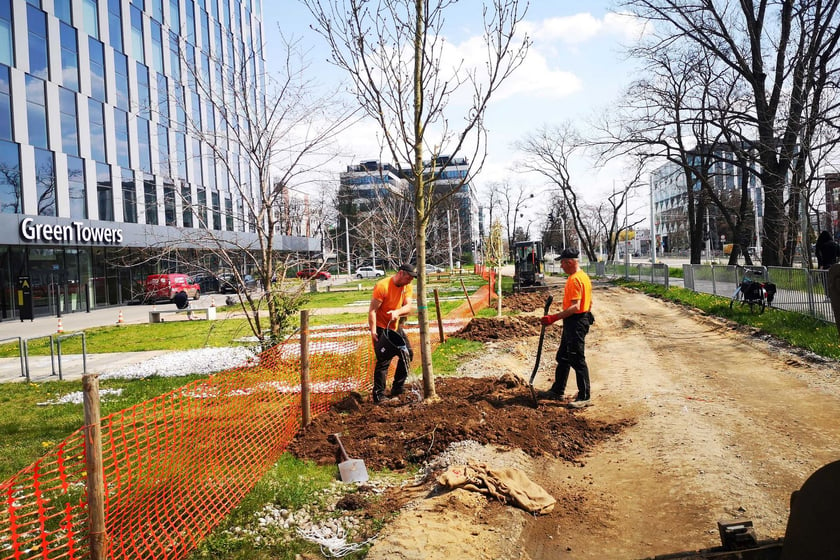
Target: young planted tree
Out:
[405,78]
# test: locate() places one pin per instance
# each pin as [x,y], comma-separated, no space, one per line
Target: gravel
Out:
[189,362]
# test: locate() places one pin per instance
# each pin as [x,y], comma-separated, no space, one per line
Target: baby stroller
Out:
[752,291]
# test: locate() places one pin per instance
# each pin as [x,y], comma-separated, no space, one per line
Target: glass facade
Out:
[109,132]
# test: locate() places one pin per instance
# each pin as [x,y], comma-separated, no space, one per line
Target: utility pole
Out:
[449,235]
[347,241]
[652,227]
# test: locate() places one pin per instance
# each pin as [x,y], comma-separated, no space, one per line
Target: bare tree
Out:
[395,53]
[548,152]
[785,53]
[258,149]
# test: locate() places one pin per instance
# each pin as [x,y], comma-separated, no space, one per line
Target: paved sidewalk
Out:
[72,367]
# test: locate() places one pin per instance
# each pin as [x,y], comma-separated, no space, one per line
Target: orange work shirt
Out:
[578,286]
[391,297]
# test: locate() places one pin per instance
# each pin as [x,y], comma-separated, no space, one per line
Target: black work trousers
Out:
[572,354]
[380,370]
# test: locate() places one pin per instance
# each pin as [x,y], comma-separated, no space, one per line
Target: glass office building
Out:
[102,166]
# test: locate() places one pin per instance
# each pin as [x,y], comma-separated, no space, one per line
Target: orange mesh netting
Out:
[176,465]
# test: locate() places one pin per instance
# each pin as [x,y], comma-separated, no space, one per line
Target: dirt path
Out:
[726,426]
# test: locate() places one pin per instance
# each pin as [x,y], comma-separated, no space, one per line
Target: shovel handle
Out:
[344,456]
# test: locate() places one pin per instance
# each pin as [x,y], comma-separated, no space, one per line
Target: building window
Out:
[186,205]
[91,17]
[63,11]
[163,99]
[121,81]
[69,121]
[121,136]
[129,196]
[137,34]
[115,24]
[228,214]
[69,57]
[157,47]
[6,42]
[97,69]
[217,210]
[169,215]
[205,31]
[144,93]
[202,207]
[77,188]
[11,201]
[96,114]
[105,192]
[144,145]
[163,151]
[36,111]
[180,105]
[45,182]
[197,175]
[175,14]
[150,197]
[5,103]
[174,57]
[181,155]
[38,60]
[190,14]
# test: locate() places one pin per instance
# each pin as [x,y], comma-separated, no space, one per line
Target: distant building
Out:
[370,187]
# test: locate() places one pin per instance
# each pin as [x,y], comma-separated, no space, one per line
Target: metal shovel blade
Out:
[351,470]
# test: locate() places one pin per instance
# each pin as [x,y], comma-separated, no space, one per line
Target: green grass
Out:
[448,356]
[290,484]
[797,329]
[28,431]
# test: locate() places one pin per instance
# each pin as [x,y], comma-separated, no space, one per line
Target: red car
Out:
[309,273]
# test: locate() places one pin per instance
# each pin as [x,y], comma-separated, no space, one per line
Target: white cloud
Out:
[584,27]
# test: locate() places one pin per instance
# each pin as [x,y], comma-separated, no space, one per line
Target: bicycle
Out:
[753,292]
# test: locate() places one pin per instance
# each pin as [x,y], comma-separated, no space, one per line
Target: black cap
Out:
[569,253]
[409,269]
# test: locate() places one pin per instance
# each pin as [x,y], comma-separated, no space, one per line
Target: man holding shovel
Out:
[577,301]
[391,300]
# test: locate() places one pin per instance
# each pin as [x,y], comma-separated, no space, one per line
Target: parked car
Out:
[165,286]
[309,273]
[369,272]
[229,283]
[432,269]
[206,282]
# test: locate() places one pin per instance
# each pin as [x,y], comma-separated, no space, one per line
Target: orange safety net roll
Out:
[176,465]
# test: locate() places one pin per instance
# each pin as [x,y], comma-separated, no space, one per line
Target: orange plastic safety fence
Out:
[176,465]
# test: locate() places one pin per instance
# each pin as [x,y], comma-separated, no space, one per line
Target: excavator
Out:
[529,264]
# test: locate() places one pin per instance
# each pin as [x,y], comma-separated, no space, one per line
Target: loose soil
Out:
[695,420]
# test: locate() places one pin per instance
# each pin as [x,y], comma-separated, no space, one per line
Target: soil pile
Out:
[496,411]
[529,302]
[481,329]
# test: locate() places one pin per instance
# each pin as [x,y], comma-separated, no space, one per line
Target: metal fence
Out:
[800,290]
[643,272]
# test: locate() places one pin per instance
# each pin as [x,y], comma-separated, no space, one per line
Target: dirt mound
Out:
[527,302]
[483,329]
[496,411]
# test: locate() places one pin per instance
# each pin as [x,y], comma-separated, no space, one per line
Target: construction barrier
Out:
[176,465]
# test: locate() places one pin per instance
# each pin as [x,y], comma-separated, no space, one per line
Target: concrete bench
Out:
[156,316]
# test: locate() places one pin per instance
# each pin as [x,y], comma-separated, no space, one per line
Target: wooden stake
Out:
[440,318]
[97,537]
[466,295]
[306,416]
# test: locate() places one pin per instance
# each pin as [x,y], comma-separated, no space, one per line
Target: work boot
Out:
[580,404]
[549,395]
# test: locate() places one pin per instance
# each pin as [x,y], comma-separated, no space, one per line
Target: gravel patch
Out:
[176,364]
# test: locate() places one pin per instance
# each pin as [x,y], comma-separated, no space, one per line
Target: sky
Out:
[574,69]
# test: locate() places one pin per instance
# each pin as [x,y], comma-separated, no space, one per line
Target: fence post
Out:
[439,317]
[97,537]
[466,295]
[306,417]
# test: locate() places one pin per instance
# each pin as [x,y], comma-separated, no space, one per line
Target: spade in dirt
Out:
[548,301]
[351,470]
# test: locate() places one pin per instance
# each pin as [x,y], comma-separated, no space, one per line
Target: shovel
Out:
[548,301]
[351,470]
